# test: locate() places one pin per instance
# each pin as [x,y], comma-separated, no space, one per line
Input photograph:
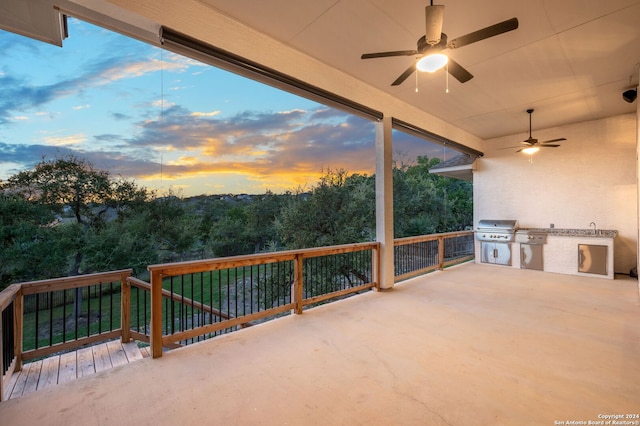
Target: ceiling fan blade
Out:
[404,75]
[511,147]
[458,71]
[553,145]
[434,15]
[388,54]
[554,140]
[493,30]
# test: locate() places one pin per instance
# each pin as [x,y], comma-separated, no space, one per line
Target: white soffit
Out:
[36,19]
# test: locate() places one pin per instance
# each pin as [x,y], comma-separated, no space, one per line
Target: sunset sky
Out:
[169,122]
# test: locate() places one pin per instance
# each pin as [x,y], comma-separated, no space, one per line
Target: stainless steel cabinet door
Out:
[531,256]
[592,259]
[498,253]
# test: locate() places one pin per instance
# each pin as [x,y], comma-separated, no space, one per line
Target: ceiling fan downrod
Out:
[530,111]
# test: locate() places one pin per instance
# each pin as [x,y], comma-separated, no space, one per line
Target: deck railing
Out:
[40,318]
[418,255]
[200,299]
[9,332]
[191,301]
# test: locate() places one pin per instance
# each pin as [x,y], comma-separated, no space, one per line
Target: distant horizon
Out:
[171,123]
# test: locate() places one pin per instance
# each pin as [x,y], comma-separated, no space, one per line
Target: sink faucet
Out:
[594,227]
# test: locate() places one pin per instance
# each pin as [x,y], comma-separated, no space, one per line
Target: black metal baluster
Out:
[258,288]
[64,316]
[144,313]
[172,316]
[37,322]
[111,306]
[202,301]
[182,308]
[99,288]
[51,318]
[211,317]
[251,286]
[229,293]
[220,294]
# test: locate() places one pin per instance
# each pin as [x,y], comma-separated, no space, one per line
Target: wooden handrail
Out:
[8,295]
[195,266]
[430,237]
[55,284]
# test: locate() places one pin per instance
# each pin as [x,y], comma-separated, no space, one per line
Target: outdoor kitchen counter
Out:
[588,233]
[561,250]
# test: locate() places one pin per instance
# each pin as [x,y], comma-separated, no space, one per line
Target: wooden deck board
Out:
[146,351]
[101,359]
[132,351]
[116,353]
[85,362]
[69,366]
[21,381]
[33,375]
[49,372]
[8,390]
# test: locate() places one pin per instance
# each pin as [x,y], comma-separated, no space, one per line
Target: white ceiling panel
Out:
[280,19]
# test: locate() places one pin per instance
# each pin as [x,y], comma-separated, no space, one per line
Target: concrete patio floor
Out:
[472,345]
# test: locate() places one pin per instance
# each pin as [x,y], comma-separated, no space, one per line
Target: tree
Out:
[73,186]
[31,246]
[425,203]
[340,209]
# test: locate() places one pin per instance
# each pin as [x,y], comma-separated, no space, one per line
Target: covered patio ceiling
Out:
[570,60]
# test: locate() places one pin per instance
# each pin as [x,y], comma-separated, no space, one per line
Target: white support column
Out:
[384,201]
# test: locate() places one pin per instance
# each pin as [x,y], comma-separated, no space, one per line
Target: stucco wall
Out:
[590,178]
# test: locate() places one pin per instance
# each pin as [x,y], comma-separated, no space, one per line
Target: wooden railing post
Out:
[125,309]
[18,330]
[156,314]
[296,291]
[441,253]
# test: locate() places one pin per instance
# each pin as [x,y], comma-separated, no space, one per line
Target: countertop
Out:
[566,232]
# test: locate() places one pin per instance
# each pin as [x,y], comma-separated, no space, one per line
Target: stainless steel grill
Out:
[502,231]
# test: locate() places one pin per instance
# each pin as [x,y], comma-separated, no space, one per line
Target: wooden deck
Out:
[72,365]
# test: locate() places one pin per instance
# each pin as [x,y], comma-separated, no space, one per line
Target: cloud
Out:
[205,114]
[120,116]
[261,144]
[108,137]
[65,140]
[19,94]
[118,163]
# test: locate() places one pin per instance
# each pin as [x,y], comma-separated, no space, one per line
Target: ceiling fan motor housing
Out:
[434,16]
[424,46]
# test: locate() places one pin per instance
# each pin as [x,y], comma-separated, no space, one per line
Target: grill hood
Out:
[498,225]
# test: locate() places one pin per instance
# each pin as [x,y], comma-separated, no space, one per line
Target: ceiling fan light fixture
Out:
[531,150]
[432,63]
